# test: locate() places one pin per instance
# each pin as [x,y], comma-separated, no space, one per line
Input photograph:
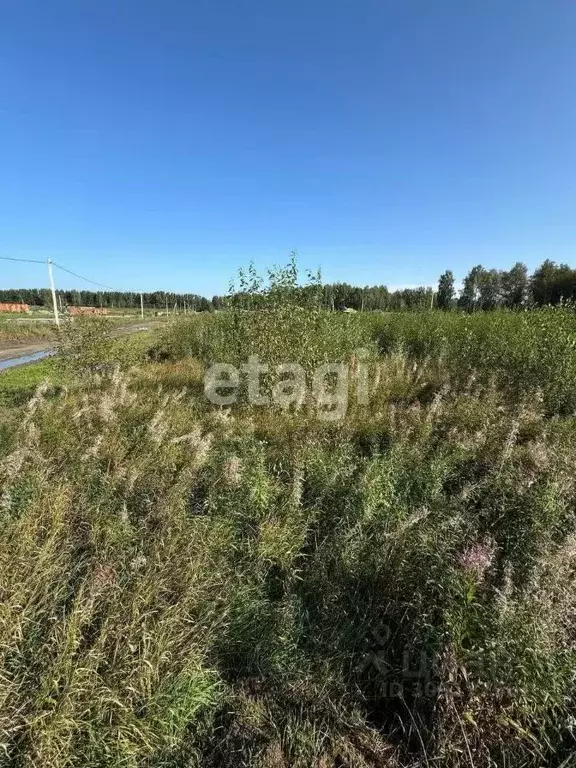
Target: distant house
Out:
[75,311]
[17,308]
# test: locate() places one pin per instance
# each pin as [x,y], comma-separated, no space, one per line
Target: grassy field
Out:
[17,385]
[191,584]
[15,328]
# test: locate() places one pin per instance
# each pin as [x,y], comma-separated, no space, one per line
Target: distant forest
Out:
[482,289]
[41,297]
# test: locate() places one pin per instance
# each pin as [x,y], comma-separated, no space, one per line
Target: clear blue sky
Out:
[162,144]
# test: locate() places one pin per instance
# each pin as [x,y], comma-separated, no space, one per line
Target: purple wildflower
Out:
[477,558]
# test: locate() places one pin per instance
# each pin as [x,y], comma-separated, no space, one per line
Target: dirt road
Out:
[12,350]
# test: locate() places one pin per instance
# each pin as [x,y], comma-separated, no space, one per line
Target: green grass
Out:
[185,585]
[17,385]
[17,328]
[25,329]
[520,351]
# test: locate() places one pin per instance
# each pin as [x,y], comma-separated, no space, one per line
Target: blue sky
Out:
[160,145]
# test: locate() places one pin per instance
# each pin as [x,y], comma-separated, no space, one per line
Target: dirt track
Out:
[10,350]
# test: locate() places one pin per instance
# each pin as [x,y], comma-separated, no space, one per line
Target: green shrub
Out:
[522,352]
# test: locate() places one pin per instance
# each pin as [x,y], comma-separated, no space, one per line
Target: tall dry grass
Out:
[183,584]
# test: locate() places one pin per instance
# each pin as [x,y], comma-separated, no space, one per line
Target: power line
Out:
[28,261]
[99,285]
[80,277]
[51,263]
[70,272]
[88,280]
[107,287]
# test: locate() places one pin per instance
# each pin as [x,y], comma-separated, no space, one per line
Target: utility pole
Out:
[142,305]
[53,289]
[167,312]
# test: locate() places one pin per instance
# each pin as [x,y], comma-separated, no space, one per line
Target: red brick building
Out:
[75,311]
[17,308]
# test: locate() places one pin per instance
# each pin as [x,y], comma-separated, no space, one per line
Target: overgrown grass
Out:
[25,329]
[17,385]
[522,352]
[189,585]
[29,329]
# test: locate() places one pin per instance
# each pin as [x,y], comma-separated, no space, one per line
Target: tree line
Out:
[159,300]
[482,289]
[486,289]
